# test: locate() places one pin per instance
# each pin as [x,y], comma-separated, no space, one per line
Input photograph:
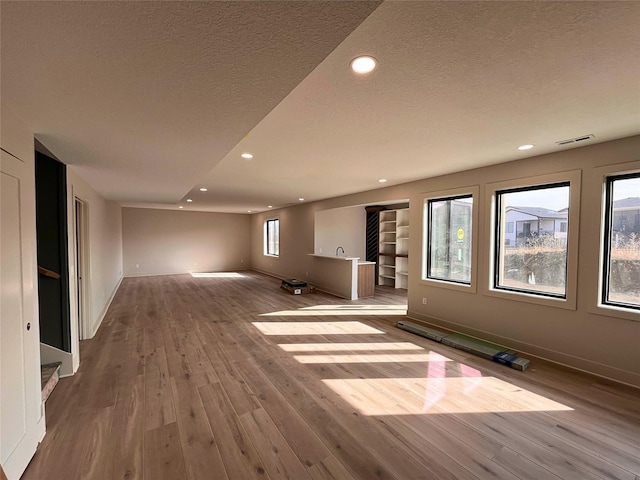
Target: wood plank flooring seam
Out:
[197,442]
[300,418]
[590,452]
[373,452]
[397,421]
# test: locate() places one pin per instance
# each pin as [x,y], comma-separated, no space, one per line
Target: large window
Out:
[531,239]
[621,272]
[272,237]
[449,239]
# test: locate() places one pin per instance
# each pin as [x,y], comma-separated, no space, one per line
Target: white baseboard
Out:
[75,361]
[105,309]
[242,268]
[527,349]
[320,288]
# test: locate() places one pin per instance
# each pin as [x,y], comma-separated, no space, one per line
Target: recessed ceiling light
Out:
[301,199]
[248,211]
[363,64]
[526,147]
[270,206]
[382,180]
[246,155]
[189,200]
[203,189]
[180,206]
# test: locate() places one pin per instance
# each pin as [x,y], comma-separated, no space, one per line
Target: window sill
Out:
[616,312]
[460,287]
[566,303]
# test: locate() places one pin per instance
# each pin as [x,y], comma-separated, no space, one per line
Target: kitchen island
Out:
[341,275]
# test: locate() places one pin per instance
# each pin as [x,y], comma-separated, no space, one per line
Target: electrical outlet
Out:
[424,300]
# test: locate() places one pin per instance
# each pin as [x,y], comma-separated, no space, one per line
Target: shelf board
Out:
[402,238]
[387,221]
[402,273]
[387,266]
[388,243]
[402,255]
[392,277]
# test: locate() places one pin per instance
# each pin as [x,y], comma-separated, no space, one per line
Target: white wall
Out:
[104,255]
[588,338]
[159,242]
[344,227]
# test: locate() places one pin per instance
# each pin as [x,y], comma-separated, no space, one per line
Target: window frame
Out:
[605,241]
[573,179]
[497,226]
[450,194]
[266,252]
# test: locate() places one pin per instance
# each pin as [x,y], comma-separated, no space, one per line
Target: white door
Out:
[21,415]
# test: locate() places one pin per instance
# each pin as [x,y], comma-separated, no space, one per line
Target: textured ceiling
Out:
[155,100]
[147,97]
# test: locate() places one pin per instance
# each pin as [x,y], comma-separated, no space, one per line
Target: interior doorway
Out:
[52,238]
[81,247]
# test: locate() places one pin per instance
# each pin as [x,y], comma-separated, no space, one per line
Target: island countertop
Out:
[334,257]
[338,257]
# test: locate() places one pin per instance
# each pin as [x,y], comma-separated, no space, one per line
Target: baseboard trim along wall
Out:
[105,309]
[559,358]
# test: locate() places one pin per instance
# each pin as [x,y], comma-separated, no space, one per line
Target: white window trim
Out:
[595,305]
[265,240]
[574,179]
[474,191]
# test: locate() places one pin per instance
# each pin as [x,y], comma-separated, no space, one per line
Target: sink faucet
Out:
[339,248]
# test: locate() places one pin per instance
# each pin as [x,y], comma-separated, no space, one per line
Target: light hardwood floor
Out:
[215,378]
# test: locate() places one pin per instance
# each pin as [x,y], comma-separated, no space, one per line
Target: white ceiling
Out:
[153,100]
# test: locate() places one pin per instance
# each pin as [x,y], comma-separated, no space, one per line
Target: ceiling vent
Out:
[583,138]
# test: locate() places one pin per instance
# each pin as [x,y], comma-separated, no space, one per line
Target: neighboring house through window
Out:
[621,269]
[531,234]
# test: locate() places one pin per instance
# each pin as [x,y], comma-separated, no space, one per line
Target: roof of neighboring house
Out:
[539,212]
[627,202]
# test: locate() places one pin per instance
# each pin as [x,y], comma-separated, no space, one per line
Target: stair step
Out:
[49,376]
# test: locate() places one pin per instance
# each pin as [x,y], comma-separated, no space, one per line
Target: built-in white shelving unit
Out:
[393,248]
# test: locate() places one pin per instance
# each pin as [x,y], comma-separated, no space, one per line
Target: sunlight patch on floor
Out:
[356,307]
[348,347]
[418,396]
[319,310]
[372,358]
[217,275]
[315,328]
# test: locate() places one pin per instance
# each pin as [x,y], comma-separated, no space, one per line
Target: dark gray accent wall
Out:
[52,240]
